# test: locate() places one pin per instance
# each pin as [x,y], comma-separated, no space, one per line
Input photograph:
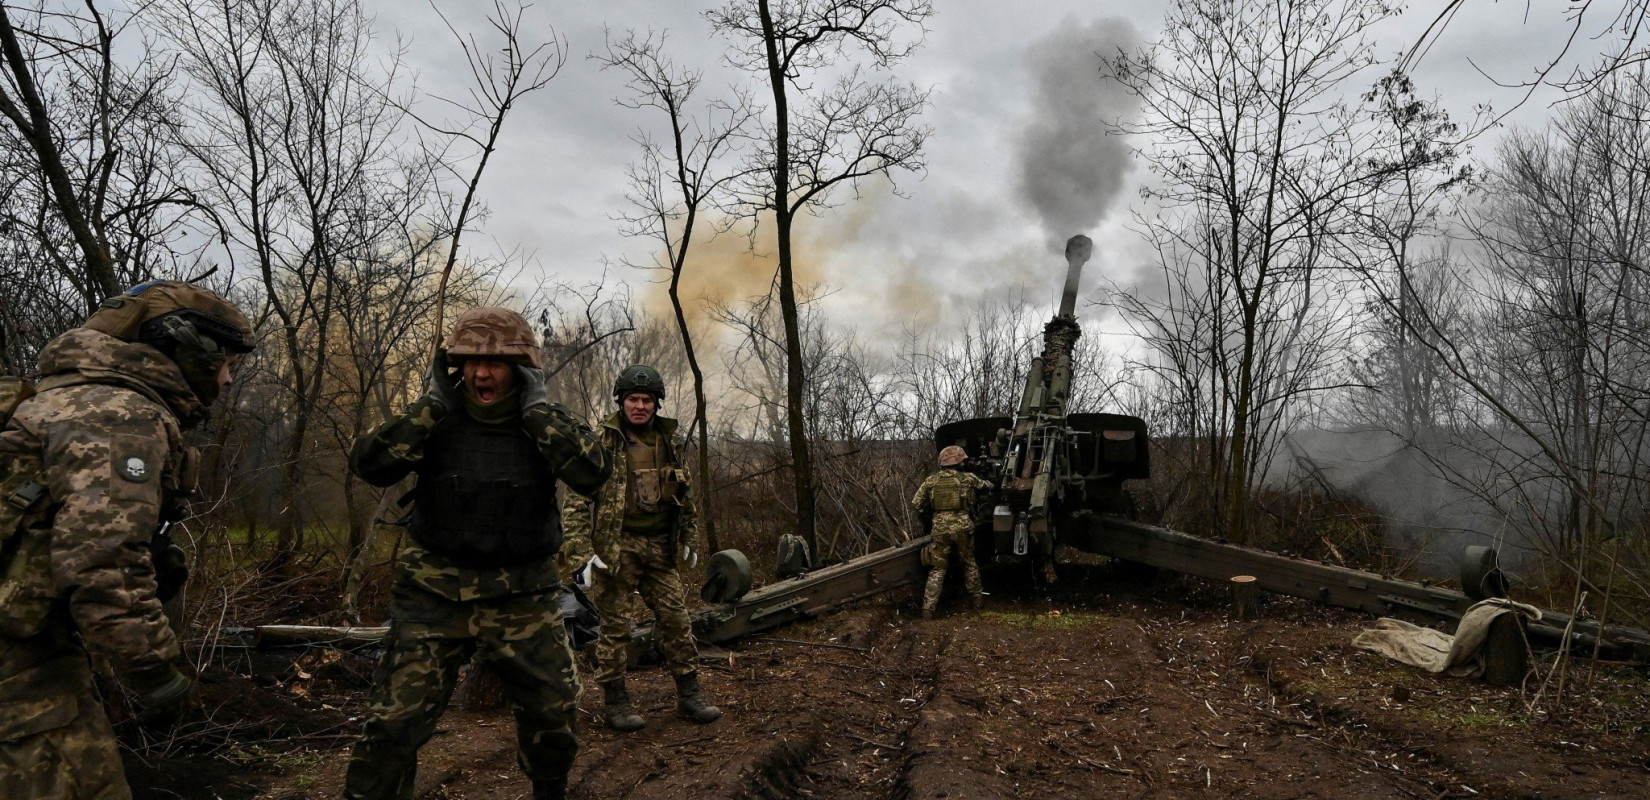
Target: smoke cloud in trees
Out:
[1069,169]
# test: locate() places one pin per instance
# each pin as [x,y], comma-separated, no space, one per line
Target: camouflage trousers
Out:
[521,636]
[55,741]
[953,536]
[647,566]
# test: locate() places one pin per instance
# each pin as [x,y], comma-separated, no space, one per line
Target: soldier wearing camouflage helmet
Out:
[949,494]
[92,469]
[479,577]
[631,536]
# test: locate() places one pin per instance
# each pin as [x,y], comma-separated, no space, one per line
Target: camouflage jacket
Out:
[948,486]
[396,448]
[595,525]
[105,433]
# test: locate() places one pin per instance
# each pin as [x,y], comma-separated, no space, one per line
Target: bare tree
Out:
[1259,153]
[499,82]
[821,139]
[672,183]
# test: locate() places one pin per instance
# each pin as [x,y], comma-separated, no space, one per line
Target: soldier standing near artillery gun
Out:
[92,470]
[634,532]
[949,494]
[479,577]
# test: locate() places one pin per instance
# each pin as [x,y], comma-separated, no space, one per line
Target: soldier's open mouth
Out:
[486,394]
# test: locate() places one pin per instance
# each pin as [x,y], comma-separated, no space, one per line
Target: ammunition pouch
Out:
[657,490]
[927,555]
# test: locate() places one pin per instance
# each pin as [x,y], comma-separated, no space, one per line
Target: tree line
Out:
[1327,250]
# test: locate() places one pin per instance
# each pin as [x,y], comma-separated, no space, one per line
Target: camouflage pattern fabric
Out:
[953,530]
[647,566]
[430,638]
[73,759]
[445,612]
[105,435]
[495,333]
[635,562]
[595,524]
[953,534]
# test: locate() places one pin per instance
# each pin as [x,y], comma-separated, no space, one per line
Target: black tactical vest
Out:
[485,495]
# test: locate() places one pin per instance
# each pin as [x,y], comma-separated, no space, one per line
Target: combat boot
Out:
[927,613]
[976,601]
[690,700]
[550,790]
[619,715]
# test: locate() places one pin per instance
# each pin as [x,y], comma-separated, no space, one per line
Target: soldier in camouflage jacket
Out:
[950,493]
[90,467]
[632,535]
[479,577]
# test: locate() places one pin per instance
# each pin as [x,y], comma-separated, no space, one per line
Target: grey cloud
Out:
[1070,169]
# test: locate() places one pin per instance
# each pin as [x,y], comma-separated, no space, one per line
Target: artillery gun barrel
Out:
[1078,250]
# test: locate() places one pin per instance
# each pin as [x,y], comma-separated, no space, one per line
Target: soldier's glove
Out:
[164,695]
[171,567]
[533,392]
[581,578]
[690,557]
[596,561]
[439,388]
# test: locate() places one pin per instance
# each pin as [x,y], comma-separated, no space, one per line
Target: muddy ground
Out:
[1113,687]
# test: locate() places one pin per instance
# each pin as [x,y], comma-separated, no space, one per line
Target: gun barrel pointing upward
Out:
[1078,250]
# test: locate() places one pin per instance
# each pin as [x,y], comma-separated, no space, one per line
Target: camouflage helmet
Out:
[194,327]
[952,456]
[638,378]
[125,316]
[495,333]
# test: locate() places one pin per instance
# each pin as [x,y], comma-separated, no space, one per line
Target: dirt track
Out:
[1111,688]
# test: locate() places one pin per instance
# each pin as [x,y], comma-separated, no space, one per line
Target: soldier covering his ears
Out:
[479,578]
[92,467]
[634,532]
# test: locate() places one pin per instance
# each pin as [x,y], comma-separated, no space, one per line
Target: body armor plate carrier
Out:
[485,495]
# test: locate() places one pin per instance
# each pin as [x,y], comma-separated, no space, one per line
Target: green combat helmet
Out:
[496,333]
[195,327]
[952,456]
[638,378]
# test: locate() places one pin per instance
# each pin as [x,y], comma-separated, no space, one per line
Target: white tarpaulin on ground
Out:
[1435,651]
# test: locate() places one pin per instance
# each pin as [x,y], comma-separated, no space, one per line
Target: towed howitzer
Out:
[1052,468]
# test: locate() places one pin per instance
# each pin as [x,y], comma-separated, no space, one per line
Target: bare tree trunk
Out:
[801,460]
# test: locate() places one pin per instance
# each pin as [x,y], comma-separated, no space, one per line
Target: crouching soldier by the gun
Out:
[634,532]
[479,577]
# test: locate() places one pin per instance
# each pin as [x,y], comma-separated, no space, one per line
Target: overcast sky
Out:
[1008,78]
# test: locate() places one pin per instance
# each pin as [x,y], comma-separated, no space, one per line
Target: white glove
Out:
[689,557]
[581,577]
[596,561]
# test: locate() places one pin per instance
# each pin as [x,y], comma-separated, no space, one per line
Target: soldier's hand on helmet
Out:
[439,387]
[164,696]
[690,557]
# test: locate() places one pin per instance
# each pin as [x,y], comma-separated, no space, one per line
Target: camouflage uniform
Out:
[105,431]
[445,610]
[635,563]
[950,493]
